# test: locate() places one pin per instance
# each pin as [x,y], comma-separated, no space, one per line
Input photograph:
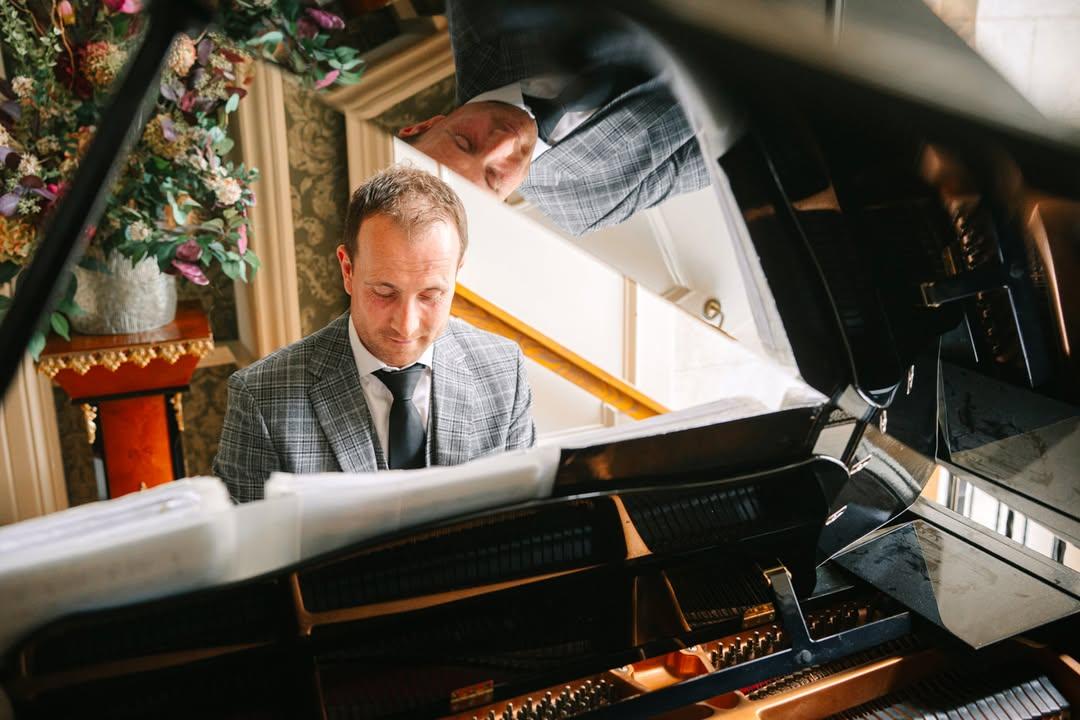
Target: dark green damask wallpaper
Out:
[429,102]
[320,196]
[77,455]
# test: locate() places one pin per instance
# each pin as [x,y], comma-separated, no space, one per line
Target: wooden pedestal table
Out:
[129,388]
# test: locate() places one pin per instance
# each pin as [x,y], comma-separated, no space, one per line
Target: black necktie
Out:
[407,433]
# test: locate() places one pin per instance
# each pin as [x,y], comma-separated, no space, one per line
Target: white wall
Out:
[1035,44]
[683,362]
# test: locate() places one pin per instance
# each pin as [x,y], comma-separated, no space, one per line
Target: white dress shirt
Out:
[378,396]
[543,86]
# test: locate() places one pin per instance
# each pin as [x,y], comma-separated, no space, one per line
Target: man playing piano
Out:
[394,382]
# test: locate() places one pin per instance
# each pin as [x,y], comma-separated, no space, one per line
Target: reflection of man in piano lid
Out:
[488,143]
[394,383]
[588,145]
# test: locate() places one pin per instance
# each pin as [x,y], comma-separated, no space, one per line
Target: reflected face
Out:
[488,143]
[400,286]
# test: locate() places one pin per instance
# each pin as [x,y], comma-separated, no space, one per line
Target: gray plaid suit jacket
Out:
[636,151]
[301,409]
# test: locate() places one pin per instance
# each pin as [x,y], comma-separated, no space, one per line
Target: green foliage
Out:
[177,190]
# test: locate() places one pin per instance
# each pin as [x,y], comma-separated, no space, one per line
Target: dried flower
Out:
[226,189]
[47,145]
[195,161]
[5,138]
[28,205]
[102,61]
[182,56]
[138,231]
[16,239]
[29,165]
[162,136]
[23,87]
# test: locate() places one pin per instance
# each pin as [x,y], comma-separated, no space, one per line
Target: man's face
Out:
[400,286]
[488,143]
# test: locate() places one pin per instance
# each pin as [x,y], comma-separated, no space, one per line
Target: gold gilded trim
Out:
[620,395]
[177,401]
[89,413]
[141,355]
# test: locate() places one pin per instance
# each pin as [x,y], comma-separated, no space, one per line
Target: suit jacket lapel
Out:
[339,402]
[453,400]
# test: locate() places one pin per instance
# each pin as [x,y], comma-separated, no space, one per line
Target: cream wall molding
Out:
[368,148]
[31,466]
[269,306]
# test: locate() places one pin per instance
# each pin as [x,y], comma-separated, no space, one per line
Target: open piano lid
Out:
[821,243]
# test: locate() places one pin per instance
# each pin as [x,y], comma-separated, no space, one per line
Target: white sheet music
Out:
[337,509]
[174,537]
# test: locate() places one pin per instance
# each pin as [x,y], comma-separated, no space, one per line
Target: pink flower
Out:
[66,12]
[189,251]
[306,28]
[127,7]
[187,102]
[242,242]
[325,20]
[328,79]
[190,271]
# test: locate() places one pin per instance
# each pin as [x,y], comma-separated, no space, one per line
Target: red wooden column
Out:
[129,388]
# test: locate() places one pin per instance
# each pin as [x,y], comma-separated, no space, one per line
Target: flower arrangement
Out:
[178,198]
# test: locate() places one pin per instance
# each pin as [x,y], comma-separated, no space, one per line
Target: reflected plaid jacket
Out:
[301,409]
[635,151]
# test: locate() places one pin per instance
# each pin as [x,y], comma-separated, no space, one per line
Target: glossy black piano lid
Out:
[972,594]
[829,115]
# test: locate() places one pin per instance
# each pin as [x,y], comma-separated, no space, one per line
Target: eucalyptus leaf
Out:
[70,308]
[36,344]
[231,269]
[60,325]
[271,38]
[225,145]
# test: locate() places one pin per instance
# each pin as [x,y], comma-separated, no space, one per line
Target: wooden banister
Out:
[539,347]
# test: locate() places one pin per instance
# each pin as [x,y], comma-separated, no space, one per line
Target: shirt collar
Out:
[366,363]
[511,95]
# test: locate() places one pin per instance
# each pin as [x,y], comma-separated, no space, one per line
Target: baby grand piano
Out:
[916,254]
